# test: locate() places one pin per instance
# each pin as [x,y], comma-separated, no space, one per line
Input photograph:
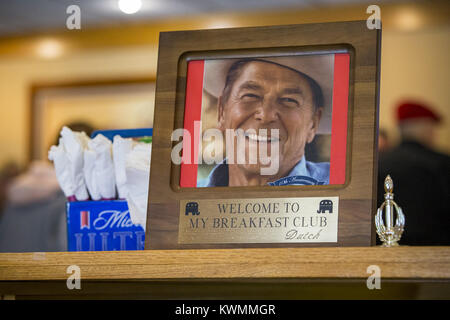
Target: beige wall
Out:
[414,64]
[116,107]
[18,74]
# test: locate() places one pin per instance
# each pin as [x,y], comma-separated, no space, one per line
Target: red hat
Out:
[413,110]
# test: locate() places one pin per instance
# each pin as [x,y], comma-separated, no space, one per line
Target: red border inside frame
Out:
[193,108]
[338,152]
[192,113]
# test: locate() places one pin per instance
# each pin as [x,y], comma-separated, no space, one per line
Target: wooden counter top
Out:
[419,263]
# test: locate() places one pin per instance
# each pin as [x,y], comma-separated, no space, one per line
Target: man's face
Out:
[268,96]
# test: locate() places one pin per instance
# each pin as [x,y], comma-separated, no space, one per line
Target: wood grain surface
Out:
[231,264]
[357,198]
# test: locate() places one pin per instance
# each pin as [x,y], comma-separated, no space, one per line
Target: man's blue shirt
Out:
[303,173]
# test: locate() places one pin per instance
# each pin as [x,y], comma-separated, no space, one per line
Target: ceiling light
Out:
[49,49]
[408,20]
[219,25]
[130,6]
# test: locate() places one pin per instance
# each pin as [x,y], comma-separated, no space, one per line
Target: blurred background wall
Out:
[112,45]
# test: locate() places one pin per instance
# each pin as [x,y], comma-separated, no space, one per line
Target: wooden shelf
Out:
[339,263]
[225,266]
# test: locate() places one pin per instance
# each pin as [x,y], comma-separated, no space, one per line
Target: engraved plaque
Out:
[284,220]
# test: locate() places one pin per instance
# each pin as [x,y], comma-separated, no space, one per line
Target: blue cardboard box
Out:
[102,226]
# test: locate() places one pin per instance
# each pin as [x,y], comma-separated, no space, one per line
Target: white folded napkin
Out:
[89,169]
[137,181]
[99,169]
[68,160]
[121,148]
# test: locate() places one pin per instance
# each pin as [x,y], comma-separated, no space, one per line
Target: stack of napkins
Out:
[98,169]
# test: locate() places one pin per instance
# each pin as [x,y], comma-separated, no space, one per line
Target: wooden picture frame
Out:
[357,194]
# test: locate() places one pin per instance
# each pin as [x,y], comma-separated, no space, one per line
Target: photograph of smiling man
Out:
[264,121]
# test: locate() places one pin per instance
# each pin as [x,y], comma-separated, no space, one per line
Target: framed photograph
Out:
[293,96]
[95,104]
[273,141]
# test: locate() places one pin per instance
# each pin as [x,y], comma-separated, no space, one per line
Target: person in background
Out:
[7,173]
[383,141]
[421,177]
[34,216]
